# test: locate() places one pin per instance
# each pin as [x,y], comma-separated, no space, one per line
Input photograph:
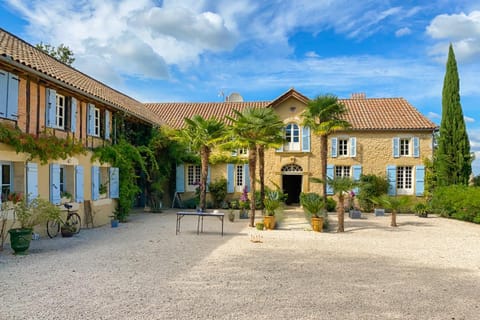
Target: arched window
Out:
[292,137]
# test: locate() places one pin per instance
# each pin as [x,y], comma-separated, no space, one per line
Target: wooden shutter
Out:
[79,184]
[180,178]
[396,147]
[246,173]
[334,147]
[12,96]
[107,125]
[55,195]
[95,182]
[3,93]
[330,168]
[353,147]
[114,174]
[32,181]
[51,108]
[392,180]
[306,139]
[416,147]
[73,115]
[419,180]
[230,178]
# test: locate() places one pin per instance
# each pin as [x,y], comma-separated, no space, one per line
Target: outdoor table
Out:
[200,216]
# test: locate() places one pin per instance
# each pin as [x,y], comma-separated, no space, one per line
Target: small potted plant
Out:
[29,214]
[244,204]
[114,219]
[353,212]
[271,202]
[313,205]
[66,197]
[102,190]
[67,230]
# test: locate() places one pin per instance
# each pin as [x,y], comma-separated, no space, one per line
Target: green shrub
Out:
[218,191]
[458,202]
[371,186]
[331,205]
[312,204]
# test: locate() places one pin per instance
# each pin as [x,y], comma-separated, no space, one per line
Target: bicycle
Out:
[73,219]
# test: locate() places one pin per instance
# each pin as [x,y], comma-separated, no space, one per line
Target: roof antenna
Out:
[221,93]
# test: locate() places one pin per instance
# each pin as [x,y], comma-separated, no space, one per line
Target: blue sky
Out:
[195,50]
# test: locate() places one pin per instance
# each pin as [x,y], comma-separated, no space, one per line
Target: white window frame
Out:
[405,147]
[3,184]
[343,147]
[292,133]
[405,180]
[239,178]
[96,121]
[193,176]
[60,111]
[343,171]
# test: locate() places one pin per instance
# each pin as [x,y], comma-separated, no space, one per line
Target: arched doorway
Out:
[292,182]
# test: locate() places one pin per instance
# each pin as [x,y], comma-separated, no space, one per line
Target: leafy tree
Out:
[371,186]
[453,159]
[250,128]
[392,203]
[62,52]
[324,116]
[202,135]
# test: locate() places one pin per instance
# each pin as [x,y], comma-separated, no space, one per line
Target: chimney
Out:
[358,95]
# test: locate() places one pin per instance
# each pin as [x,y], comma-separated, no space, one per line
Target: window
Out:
[6,180]
[62,180]
[96,121]
[239,176]
[343,147]
[193,175]
[342,171]
[60,112]
[292,137]
[404,147]
[404,180]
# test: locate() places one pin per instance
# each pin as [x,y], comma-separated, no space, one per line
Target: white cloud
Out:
[461,29]
[469,119]
[433,115]
[311,54]
[403,32]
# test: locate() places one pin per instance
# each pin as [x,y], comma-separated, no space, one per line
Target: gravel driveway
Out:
[424,269]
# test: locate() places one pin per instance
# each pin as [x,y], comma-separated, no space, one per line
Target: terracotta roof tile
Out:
[27,55]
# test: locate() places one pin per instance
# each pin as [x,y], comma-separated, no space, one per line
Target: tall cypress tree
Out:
[453,158]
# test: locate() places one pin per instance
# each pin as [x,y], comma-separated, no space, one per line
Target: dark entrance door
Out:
[292,186]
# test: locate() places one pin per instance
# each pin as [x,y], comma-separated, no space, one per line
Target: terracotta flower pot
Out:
[317,224]
[269,222]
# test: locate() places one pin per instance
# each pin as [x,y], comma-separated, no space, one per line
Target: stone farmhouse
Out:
[388,136]
[39,94]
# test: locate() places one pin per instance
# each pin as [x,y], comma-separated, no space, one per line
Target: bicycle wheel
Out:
[53,227]
[75,221]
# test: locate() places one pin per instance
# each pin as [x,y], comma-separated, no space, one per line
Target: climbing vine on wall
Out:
[44,147]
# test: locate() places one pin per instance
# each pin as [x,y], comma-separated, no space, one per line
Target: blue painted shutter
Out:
[55,183]
[32,181]
[91,120]
[246,172]
[73,115]
[95,182]
[114,174]
[416,147]
[396,147]
[353,147]
[334,147]
[357,172]
[79,184]
[180,178]
[3,93]
[230,178]
[51,108]
[12,97]
[107,125]
[392,180]
[306,139]
[330,168]
[419,180]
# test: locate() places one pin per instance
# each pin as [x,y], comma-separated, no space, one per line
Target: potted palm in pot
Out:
[313,205]
[272,202]
[30,213]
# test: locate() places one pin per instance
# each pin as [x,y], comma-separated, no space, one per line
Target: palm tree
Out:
[202,135]
[341,187]
[252,128]
[392,203]
[324,116]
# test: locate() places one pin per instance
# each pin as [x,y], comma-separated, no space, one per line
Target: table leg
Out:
[222,224]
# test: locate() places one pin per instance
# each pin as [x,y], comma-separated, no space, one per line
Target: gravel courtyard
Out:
[424,269]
